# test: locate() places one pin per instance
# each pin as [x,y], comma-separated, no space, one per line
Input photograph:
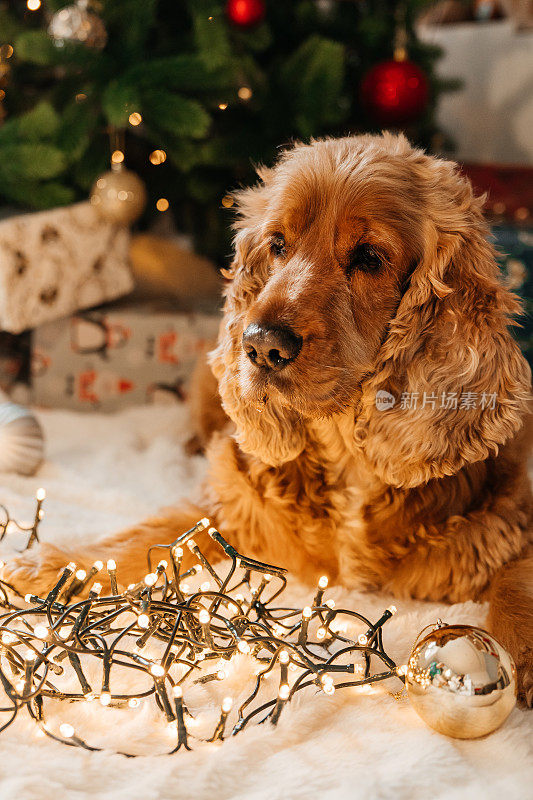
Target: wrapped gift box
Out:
[107,359]
[55,262]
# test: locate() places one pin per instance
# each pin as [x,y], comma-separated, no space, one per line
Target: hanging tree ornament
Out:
[396,92]
[118,196]
[245,13]
[75,23]
[461,681]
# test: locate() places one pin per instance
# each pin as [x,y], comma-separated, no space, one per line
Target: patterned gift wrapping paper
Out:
[112,358]
[55,262]
[515,248]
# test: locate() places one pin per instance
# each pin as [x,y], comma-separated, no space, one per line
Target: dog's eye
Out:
[277,245]
[364,258]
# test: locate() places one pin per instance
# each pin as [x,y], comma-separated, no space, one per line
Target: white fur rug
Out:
[104,472]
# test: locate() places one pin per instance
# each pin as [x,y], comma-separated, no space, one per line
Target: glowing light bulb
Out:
[362,639]
[243,647]
[105,698]
[117,157]
[90,696]
[71,566]
[157,670]
[111,565]
[30,656]
[284,692]
[267,576]
[321,633]
[66,730]
[204,522]
[33,5]
[28,598]
[162,204]
[134,702]
[284,657]
[143,620]
[330,603]
[227,704]
[185,588]
[9,638]
[323,582]
[157,157]
[177,552]
[328,688]
[41,494]
[41,631]
[245,93]
[96,588]
[135,118]
[162,564]
[204,617]
[392,610]
[307,612]
[221,674]
[150,579]
[205,586]
[223,106]
[81,574]
[177,691]
[402,670]
[19,686]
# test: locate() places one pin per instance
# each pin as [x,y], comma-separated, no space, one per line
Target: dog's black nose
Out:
[271,347]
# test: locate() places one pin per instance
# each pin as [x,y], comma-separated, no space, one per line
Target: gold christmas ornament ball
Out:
[461,681]
[119,196]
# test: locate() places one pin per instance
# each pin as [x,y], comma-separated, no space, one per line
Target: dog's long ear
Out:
[449,340]
[274,434]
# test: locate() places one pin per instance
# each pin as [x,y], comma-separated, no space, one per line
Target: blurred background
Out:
[126,124]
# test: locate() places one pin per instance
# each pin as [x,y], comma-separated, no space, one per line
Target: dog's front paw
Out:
[35,571]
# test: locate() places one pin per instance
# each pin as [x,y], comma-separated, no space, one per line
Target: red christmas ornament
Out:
[395,92]
[245,13]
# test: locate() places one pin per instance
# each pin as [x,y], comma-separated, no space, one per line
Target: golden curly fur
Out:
[430,502]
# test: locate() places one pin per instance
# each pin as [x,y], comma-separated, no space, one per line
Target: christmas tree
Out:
[194,93]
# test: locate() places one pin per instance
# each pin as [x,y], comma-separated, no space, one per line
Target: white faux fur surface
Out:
[104,472]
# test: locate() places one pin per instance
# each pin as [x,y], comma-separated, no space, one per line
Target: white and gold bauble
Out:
[76,23]
[461,681]
[119,196]
[21,440]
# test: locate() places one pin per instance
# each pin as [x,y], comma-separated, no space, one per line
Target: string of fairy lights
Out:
[173,635]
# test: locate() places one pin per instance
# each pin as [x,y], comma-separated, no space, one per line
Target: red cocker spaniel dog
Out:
[377,403]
